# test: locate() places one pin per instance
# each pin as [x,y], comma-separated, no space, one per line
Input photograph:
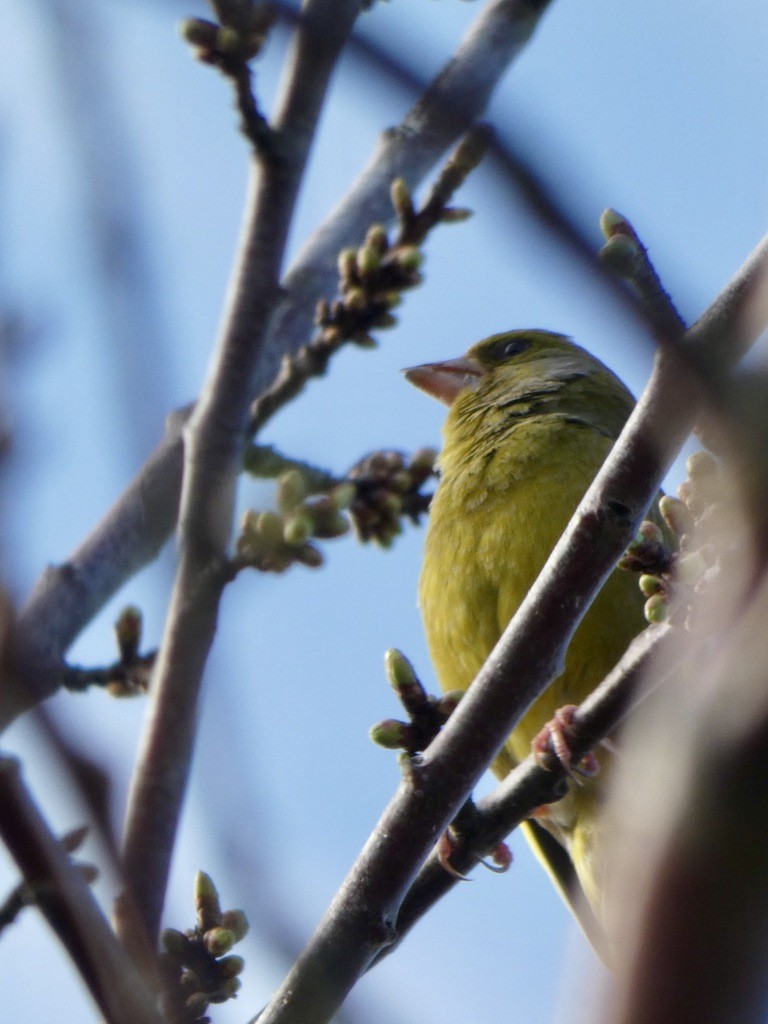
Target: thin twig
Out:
[213,458]
[360,921]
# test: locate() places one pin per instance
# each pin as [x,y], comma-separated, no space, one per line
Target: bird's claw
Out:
[555,738]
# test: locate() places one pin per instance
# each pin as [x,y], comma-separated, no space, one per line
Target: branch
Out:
[65,899]
[530,784]
[66,599]
[213,459]
[360,920]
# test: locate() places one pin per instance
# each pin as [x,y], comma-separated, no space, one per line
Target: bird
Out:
[531,419]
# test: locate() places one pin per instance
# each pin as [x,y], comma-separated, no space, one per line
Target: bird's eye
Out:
[514,347]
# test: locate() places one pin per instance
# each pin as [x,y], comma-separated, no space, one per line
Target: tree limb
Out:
[215,440]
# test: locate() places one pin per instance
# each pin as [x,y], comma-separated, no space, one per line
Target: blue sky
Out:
[657,110]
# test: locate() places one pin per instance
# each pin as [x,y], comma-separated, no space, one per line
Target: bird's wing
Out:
[559,866]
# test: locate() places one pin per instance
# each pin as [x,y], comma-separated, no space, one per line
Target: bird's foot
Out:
[556,738]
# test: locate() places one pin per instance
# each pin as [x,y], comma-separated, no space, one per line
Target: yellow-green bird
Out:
[531,419]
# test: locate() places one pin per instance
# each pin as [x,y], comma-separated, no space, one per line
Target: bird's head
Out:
[503,361]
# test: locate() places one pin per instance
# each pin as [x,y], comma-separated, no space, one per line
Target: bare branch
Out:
[213,459]
[65,899]
[65,599]
[360,920]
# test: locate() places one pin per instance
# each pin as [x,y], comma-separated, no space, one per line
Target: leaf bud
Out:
[175,943]
[376,238]
[650,585]
[219,941]
[207,906]
[676,515]
[298,527]
[389,734]
[231,966]
[290,490]
[236,922]
[620,254]
[656,609]
[401,198]
[690,568]
[368,260]
[347,265]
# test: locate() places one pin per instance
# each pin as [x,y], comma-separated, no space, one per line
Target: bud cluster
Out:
[238,39]
[388,487]
[273,541]
[427,714]
[672,573]
[371,281]
[197,964]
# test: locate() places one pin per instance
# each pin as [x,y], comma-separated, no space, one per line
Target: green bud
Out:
[690,568]
[409,257]
[355,300]
[650,585]
[231,966]
[236,922]
[175,943]
[219,941]
[701,464]
[329,524]
[309,556]
[298,527]
[400,672]
[368,260]
[376,238]
[612,223]
[676,515]
[229,40]
[347,264]
[227,990]
[291,490]
[401,198]
[650,531]
[128,632]
[363,340]
[197,1004]
[389,734]
[656,609]
[620,254]
[269,527]
[207,906]
[198,32]
[342,496]
[384,320]
[424,460]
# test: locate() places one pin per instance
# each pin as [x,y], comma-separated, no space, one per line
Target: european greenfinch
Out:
[531,419]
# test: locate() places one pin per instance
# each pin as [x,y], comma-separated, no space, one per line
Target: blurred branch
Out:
[66,598]
[215,441]
[693,928]
[360,921]
[65,899]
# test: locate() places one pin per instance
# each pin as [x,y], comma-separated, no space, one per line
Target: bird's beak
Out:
[445,380]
